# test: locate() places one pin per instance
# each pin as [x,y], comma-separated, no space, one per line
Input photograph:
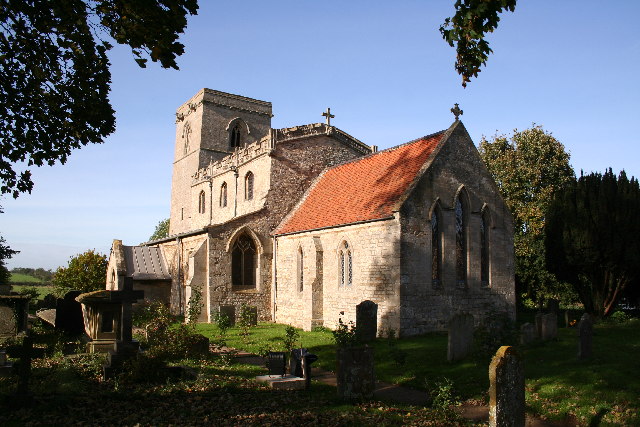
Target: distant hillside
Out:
[24,278]
[30,276]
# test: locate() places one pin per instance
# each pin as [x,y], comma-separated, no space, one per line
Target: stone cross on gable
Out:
[328,115]
[127,296]
[456,111]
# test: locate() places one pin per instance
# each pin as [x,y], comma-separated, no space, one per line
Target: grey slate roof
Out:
[145,263]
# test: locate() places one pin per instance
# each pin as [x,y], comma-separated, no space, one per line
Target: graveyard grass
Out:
[558,385]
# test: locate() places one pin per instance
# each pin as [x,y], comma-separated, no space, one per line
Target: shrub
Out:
[291,336]
[245,321]
[345,334]
[398,355]
[442,394]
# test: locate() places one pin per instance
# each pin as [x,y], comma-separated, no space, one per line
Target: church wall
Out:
[375,250]
[426,308]
[285,174]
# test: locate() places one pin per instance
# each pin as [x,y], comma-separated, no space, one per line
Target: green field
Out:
[24,278]
[42,289]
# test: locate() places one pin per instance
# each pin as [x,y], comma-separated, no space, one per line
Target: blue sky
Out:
[383,69]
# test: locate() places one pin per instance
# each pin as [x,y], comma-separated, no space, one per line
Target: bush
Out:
[619,317]
[291,336]
[442,394]
[345,334]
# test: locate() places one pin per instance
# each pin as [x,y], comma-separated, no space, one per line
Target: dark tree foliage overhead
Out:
[467,30]
[593,238]
[54,73]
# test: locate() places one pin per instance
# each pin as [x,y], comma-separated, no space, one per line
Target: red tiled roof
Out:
[361,190]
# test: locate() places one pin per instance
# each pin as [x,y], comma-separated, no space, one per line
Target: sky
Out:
[383,69]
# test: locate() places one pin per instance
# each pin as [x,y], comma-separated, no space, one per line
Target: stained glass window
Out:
[300,270]
[461,244]
[484,249]
[243,262]
[436,248]
[248,186]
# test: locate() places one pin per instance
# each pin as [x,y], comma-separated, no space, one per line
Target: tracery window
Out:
[244,262]
[223,195]
[248,186]
[300,270]
[484,248]
[436,249]
[461,243]
[201,202]
[234,137]
[346,265]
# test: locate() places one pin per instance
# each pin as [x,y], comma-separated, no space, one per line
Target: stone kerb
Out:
[585,337]
[460,337]
[506,390]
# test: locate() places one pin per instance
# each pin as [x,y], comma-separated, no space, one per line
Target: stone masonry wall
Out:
[375,250]
[426,308]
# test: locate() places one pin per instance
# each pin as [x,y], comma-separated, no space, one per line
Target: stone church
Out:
[307,222]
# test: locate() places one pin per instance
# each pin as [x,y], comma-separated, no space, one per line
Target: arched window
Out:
[186,137]
[346,265]
[461,242]
[300,269]
[248,186]
[244,260]
[436,248]
[223,195]
[484,248]
[201,202]
[234,137]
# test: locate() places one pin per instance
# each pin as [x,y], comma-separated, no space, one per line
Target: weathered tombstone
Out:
[230,312]
[549,326]
[553,306]
[527,334]
[566,319]
[14,312]
[460,336]
[253,315]
[276,363]
[367,321]
[506,389]
[585,337]
[538,322]
[69,314]
[356,374]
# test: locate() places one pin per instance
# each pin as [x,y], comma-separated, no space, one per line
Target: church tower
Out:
[210,126]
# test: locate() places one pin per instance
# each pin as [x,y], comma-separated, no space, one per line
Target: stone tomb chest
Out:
[101,311]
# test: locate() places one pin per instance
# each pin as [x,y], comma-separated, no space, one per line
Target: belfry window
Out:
[436,249]
[201,202]
[234,137]
[244,260]
[223,195]
[484,248]
[248,186]
[461,243]
[345,260]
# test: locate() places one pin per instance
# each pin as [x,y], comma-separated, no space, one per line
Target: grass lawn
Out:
[23,278]
[558,385]
[42,290]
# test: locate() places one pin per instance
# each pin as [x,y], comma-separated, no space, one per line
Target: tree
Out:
[85,272]
[528,167]
[162,230]
[592,238]
[5,253]
[54,72]
[467,30]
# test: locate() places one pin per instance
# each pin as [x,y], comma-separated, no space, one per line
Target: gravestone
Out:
[367,321]
[460,336]
[566,319]
[230,312]
[506,389]
[538,323]
[276,363]
[26,352]
[14,312]
[300,364]
[549,326]
[355,374]
[585,337]
[253,315]
[553,306]
[527,334]
[69,314]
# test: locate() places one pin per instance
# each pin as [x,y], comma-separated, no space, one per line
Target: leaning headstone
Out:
[367,321]
[356,374]
[549,326]
[538,322]
[230,312]
[460,336]
[585,337]
[506,389]
[527,334]
[69,314]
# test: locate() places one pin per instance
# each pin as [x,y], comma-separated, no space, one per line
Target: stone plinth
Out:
[287,382]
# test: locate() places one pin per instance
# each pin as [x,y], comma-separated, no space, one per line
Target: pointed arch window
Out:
[300,269]
[436,248]
[223,195]
[345,259]
[484,248]
[461,242]
[201,202]
[248,186]
[234,137]
[186,136]
[244,263]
